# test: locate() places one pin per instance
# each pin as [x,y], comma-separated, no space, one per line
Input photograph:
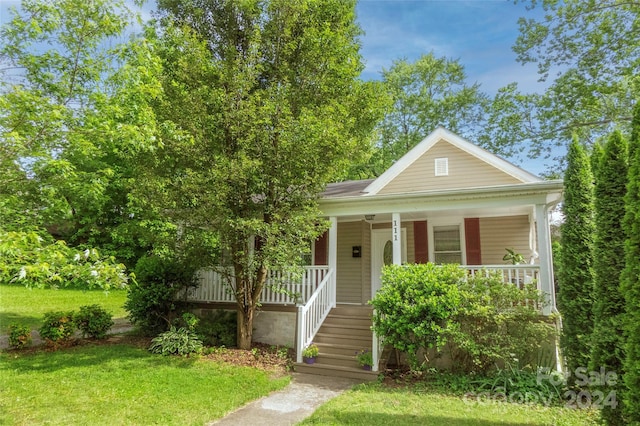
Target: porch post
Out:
[333,256]
[544,252]
[396,237]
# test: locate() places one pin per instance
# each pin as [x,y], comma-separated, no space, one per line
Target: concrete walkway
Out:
[291,405]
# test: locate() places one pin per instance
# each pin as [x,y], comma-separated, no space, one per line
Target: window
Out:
[442,167]
[446,244]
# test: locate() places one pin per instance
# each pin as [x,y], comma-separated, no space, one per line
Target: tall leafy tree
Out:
[72,121]
[590,51]
[631,277]
[429,92]
[575,286]
[609,262]
[262,107]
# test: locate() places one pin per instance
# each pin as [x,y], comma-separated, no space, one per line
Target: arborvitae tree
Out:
[631,277]
[576,276]
[610,189]
[597,153]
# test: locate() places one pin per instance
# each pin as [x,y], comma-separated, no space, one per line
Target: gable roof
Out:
[434,137]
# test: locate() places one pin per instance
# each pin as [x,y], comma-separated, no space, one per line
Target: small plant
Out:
[513,257]
[365,358]
[311,351]
[57,326]
[179,341]
[19,336]
[93,321]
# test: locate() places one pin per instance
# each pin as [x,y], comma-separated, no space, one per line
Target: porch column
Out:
[396,237]
[544,253]
[333,256]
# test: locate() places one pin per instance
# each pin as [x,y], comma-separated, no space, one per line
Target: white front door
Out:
[382,254]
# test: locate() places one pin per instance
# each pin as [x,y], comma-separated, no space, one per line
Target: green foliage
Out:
[425,94]
[609,262]
[575,276]
[181,341]
[630,284]
[262,106]
[311,351]
[496,323]
[57,327]
[415,304]
[93,321]
[513,257]
[218,328]
[28,259]
[364,357]
[590,50]
[151,300]
[19,336]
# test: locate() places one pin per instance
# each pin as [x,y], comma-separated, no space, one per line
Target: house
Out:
[445,201]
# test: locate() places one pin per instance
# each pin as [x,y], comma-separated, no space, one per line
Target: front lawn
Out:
[26,306]
[121,384]
[376,404]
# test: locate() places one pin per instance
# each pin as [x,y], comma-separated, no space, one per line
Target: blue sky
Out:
[478,33]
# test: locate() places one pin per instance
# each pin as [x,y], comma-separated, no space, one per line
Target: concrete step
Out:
[335,371]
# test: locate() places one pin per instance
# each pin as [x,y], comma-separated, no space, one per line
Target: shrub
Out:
[57,326]
[497,323]
[415,304]
[151,300]
[93,321]
[218,328]
[19,336]
[178,341]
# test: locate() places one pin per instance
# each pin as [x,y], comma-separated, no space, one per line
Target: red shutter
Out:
[321,250]
[472,240]
[421,241]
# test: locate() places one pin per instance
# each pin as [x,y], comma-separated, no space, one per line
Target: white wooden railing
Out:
[280,288]
[511,274]
[312,314]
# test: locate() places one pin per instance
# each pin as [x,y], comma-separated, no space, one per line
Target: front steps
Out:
[345,331]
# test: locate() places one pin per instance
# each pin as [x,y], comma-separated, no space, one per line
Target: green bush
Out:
[178,341]
[218,328]
[19,336]
[57,326]
[93,321]
[497,323]
[415,304]
[151,299]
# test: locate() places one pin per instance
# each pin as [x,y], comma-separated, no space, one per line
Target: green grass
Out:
[26,306]
[122,385]
[375,404]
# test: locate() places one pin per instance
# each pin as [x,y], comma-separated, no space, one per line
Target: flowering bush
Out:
[19,336]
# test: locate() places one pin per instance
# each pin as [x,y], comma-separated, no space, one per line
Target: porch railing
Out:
[511,274]
[312,314]
[280,288]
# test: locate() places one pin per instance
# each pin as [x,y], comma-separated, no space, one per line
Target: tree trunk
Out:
[245,327]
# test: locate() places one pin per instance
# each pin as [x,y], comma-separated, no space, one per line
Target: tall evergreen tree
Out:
[610,189]
[576,275]
[631,276]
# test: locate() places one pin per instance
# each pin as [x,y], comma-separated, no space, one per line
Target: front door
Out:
[382,254]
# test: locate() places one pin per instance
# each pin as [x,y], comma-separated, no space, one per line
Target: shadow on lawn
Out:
[6,318]
[103,356]
[360,418]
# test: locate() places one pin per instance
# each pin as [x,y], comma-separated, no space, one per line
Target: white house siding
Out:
[500,233]
[465,170]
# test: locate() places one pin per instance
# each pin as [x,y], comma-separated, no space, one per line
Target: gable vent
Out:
[442,167]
